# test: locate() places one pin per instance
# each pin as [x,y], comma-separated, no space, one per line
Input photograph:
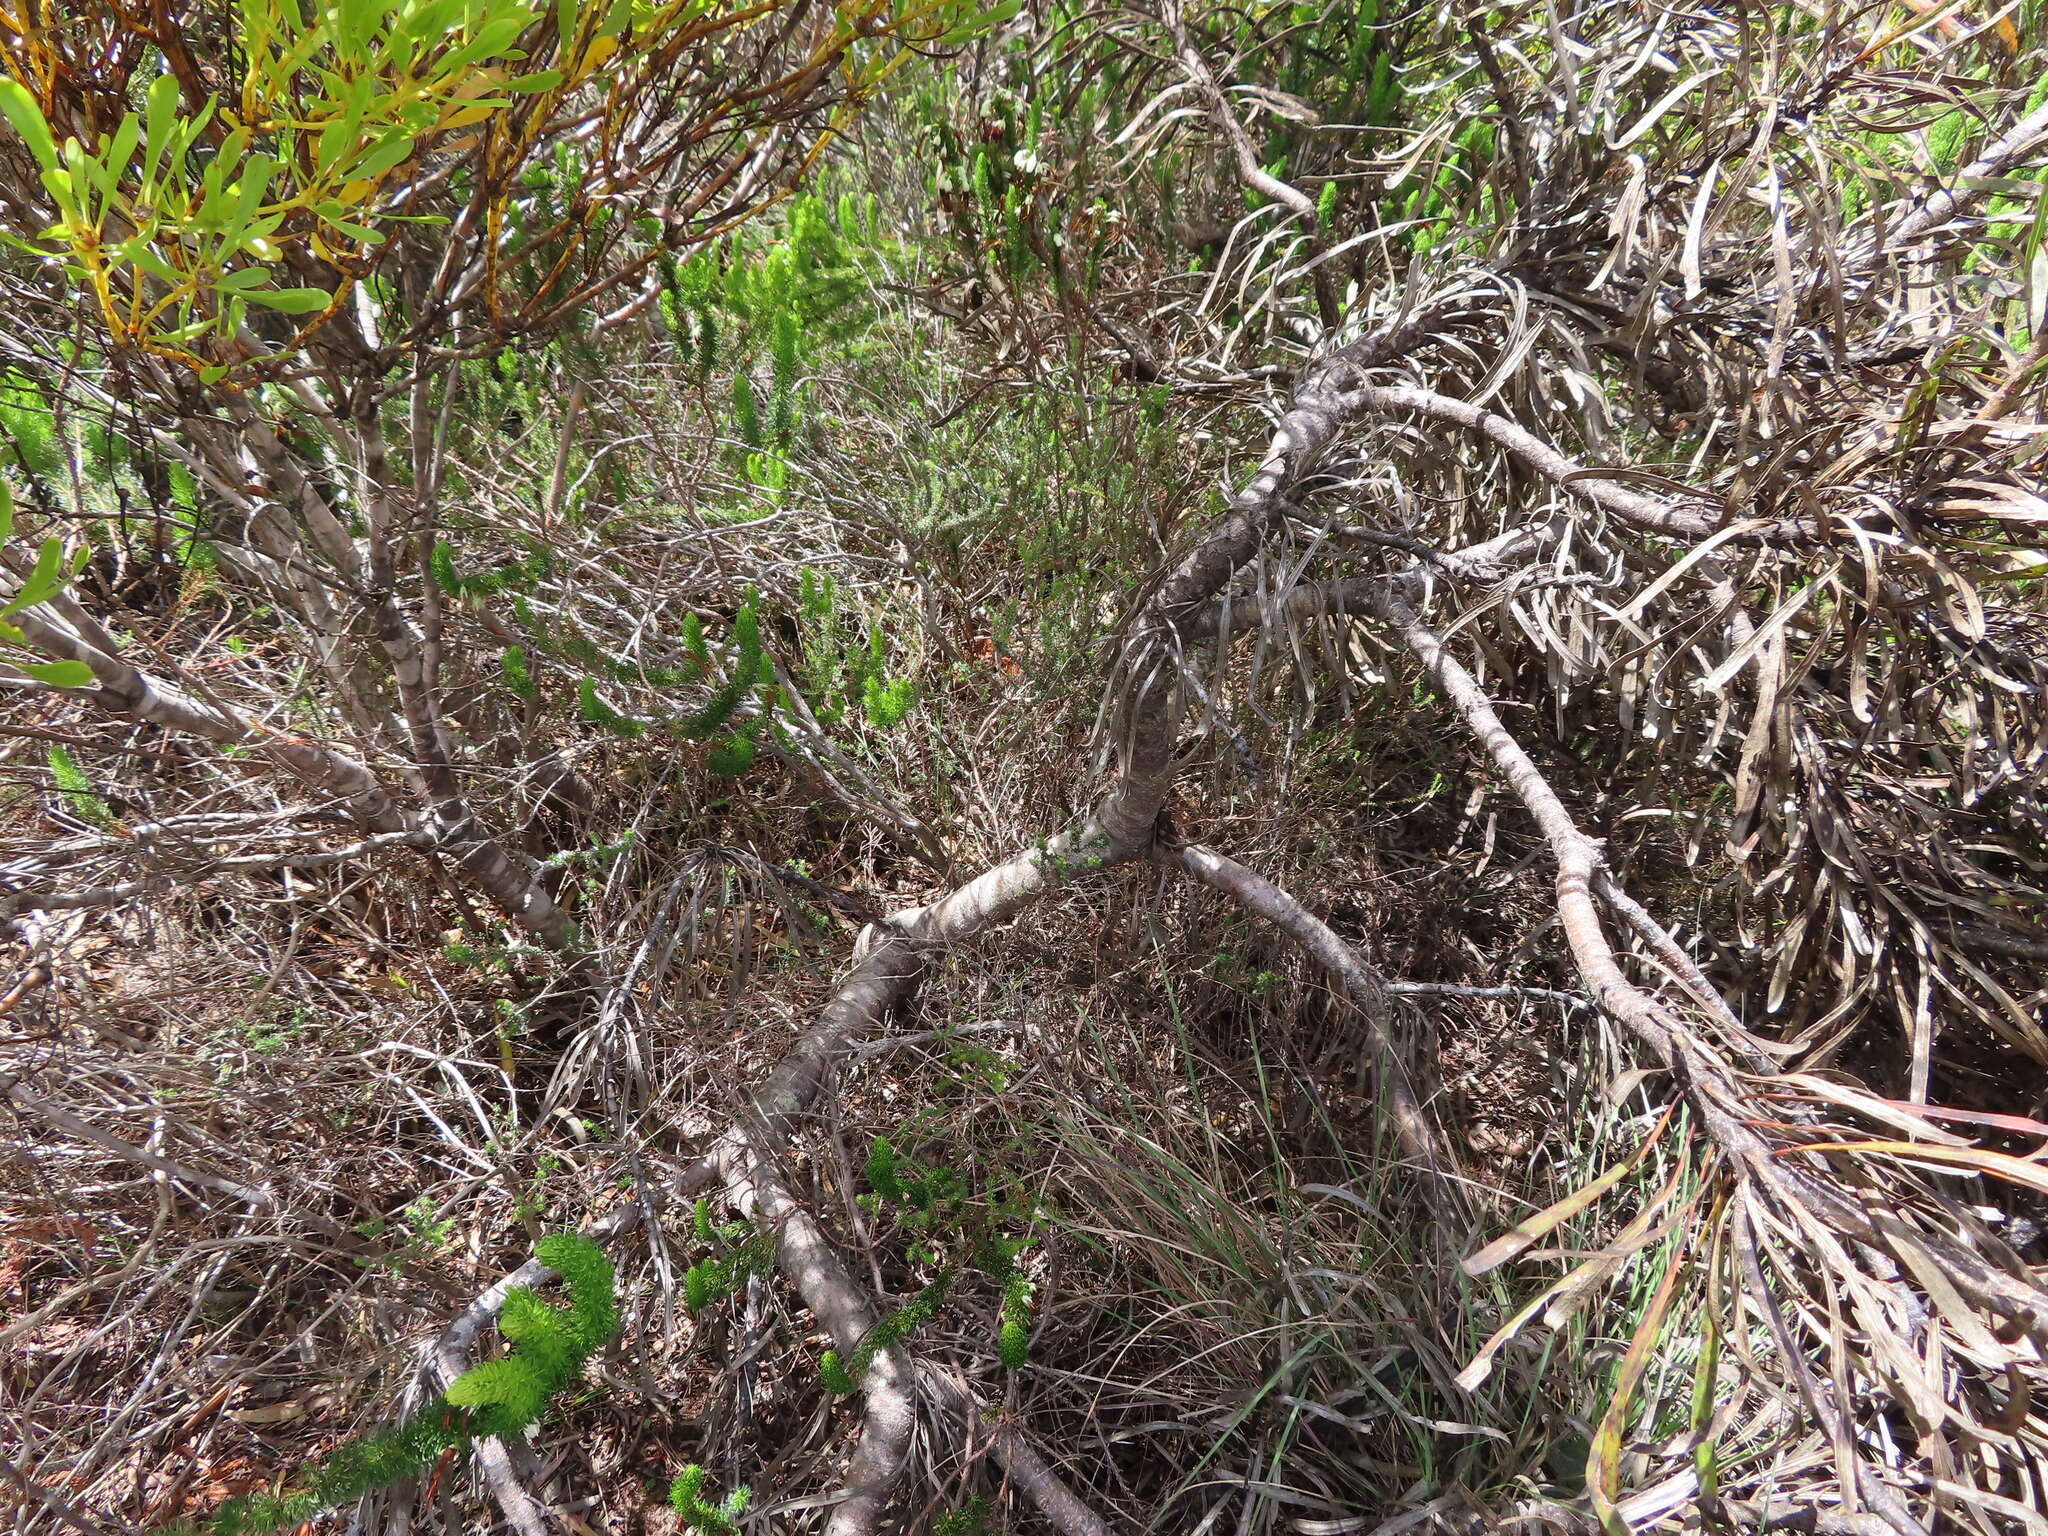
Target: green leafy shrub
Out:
[686,1498]
[499,1397]
[549,1343]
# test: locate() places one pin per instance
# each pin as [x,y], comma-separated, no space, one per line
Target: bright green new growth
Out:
[842,1377]
[739,1250]
[602,715]
[881,1170]
[732,757]
[834,1375]
[357,1467]
[1013,1338]
[886,702]
[77,789]
[518,679]
[839,671]
[746,412]
[749,668]
[998,1260]
[549,1343]
[503,1396]
[686,1497]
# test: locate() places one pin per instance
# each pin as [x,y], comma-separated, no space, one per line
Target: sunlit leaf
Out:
[21,111]
[293,301]
[60,674]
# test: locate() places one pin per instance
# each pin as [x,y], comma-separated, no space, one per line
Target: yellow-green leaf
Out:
[60,674]
[27,118]
[293,301]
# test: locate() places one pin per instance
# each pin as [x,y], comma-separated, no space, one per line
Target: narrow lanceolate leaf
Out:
[60,674]
[1527,1231]
[42,582]
[1998,1165]
[293,301]
[27,118]
[1603,1462]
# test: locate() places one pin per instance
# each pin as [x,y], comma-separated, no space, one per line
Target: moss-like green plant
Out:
[517,678]
[785,351]
[970,1519]
[516,575]
[749,668]
[838,673]
[498,1397]
[881,1170]
[77,789]
[549,1343]
[886,701]
[1013,1339]
[733,756]
[189,546]
[29,426]
[843,1377]
[738,1250]
[928,1195]
[693,643]
[696,1513]
[746,412]
[602,715]
[997,1258]
[934,1200]
[357,1467]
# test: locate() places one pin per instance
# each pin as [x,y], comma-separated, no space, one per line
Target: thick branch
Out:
[1016,1455]
[807,1257]
[1803,1188]
[454,830]
[1325,399]
[1650,513]
[128,690]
